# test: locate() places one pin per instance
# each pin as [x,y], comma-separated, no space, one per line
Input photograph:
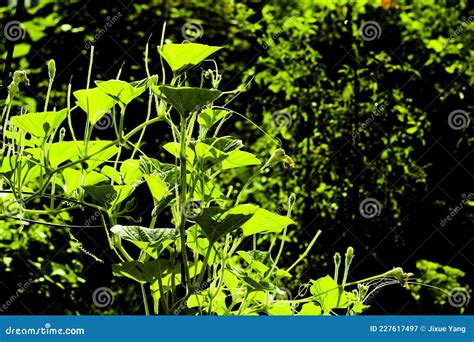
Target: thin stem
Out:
[145,301]
[302,256]
[182,198]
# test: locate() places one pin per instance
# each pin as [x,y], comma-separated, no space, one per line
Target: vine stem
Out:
[145,301]
[182,201]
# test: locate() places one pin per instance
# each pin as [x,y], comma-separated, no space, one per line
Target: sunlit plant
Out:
[209,258]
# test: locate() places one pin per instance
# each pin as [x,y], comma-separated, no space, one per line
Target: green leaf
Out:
[327,293]
[216,222]
[110,172]
[258,260]
[239,158]
[254,285]
[94,102]
[209,155]
[209,117]
[264,221]
[174,149]
[310,309]
[157,187]
[41,124]
[280,309]
[186,99]
[143,234]
[73,179]
[225,144]
[58,152]
[142,272]
[109,196]
[120,91]
[184,56]
[100,157]
[130,171]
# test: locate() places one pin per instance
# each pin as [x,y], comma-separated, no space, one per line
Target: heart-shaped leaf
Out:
[94,102]
[181,57]
[186,99]
[216,222]
[239,158]
[327,293]
[143,234]
[120,91]
[41,124]
[264,221]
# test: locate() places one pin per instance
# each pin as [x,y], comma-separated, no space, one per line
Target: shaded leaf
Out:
[216,222]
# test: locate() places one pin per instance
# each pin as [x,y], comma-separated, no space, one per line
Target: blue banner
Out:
[230,329]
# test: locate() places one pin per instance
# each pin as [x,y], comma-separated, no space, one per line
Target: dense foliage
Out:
[341,118]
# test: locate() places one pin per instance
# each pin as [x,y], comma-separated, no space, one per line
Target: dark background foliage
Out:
[306,63]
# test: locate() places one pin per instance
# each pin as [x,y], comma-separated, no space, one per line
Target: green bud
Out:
[349,256]
[337,264]
[51,69]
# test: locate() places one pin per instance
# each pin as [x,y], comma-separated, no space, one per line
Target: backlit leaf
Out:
[327,293]
[264,221]
[94,102]
[184,56]
[39,124]
[186,99]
